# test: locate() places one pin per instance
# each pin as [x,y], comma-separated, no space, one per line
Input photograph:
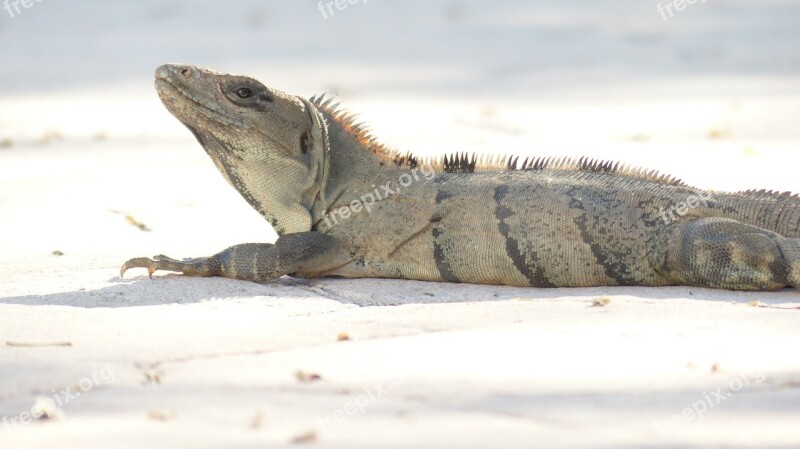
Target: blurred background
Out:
[708,91]
[83,69]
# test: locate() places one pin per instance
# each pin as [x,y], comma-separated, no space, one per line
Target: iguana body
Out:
[303,164]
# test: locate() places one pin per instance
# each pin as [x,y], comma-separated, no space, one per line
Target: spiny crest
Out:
[588,165]
[464,163]
[459,163]
[470,163]
[769,194]
[360,130]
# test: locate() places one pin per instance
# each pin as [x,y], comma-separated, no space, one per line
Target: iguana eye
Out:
[244,92]
[247,94]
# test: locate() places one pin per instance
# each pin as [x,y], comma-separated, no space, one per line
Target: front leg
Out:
[307,252]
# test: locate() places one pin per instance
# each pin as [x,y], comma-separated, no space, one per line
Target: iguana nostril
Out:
[186,72]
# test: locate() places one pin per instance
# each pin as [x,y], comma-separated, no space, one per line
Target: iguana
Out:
[345,205]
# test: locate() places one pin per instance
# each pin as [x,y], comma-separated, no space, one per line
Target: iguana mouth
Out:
[169,91]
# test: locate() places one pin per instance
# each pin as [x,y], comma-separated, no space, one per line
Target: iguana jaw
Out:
[266,144]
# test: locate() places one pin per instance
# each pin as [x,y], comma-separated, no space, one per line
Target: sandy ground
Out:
[93,171]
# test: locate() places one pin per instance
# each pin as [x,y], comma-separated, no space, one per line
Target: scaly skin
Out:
[345,205]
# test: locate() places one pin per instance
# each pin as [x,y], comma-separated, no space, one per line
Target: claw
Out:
[139,262]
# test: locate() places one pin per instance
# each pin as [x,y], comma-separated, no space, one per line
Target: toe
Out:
[139,262]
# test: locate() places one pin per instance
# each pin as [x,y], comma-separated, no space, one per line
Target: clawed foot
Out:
[161,262]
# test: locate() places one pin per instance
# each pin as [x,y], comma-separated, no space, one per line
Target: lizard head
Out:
[269,145]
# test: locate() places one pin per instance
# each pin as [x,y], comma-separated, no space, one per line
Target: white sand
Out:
[711,96]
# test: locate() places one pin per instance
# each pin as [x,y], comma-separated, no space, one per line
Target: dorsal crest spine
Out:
[470,163]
